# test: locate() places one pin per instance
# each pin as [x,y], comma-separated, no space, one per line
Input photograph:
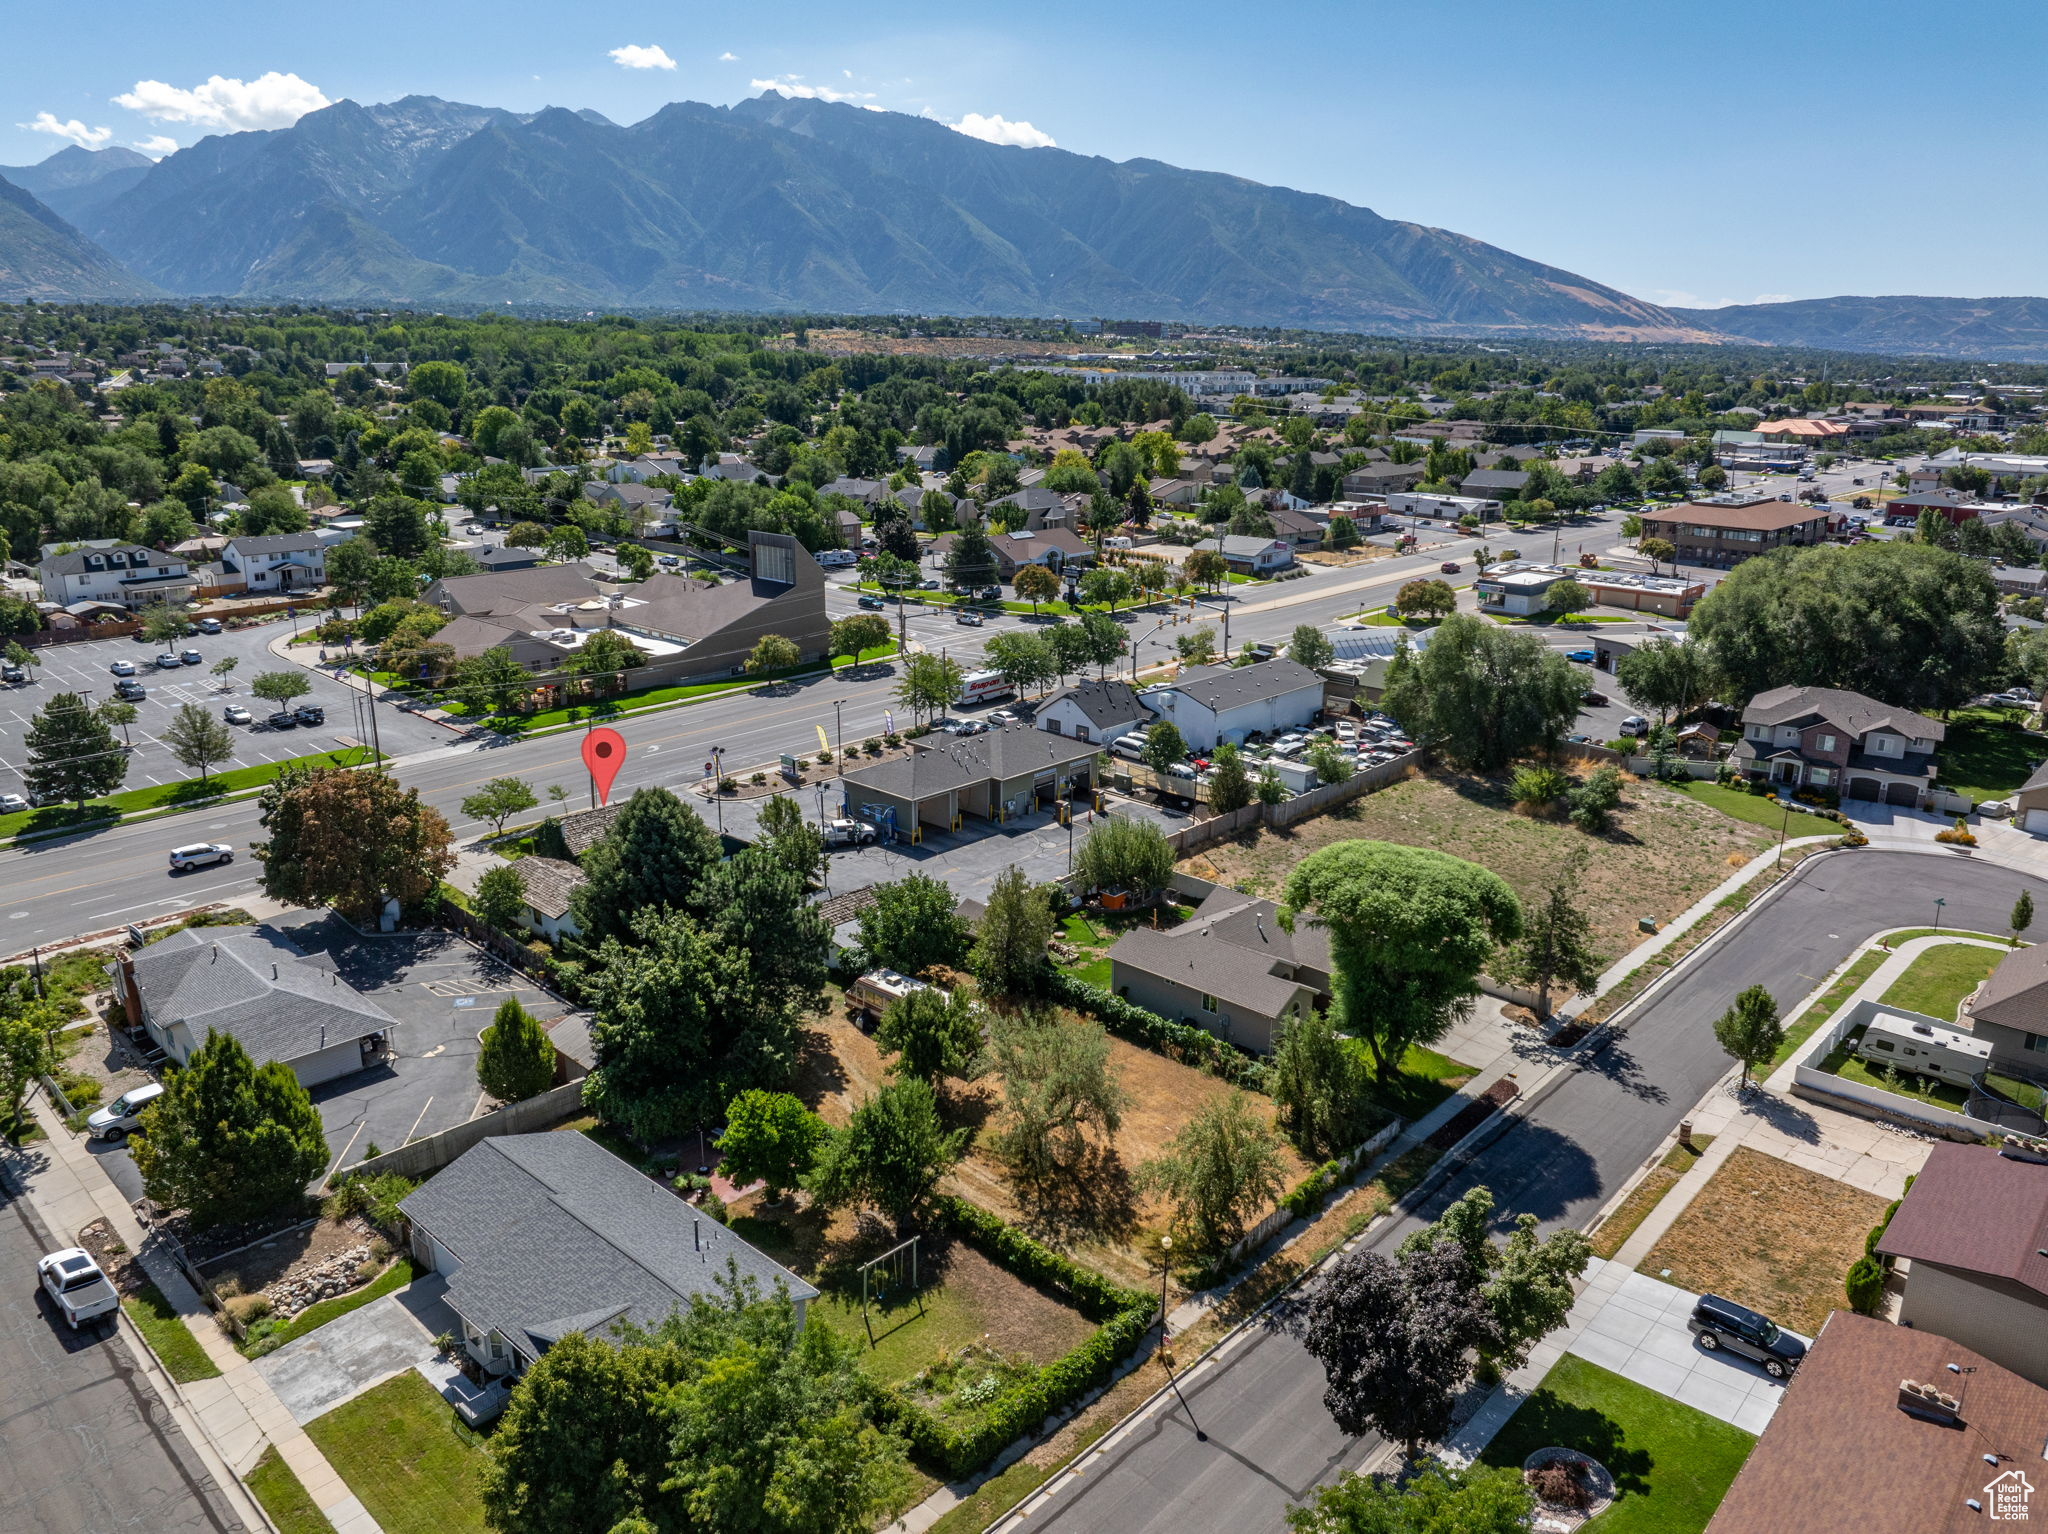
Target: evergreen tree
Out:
[517,1059]
[72,754]
[1556,948]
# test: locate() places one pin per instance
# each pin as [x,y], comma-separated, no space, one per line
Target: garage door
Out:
[1901,793]
[2035,820]
[1863,788]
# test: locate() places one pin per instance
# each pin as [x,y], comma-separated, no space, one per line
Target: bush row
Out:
[1306,1196]
[1179,1041]
[1010,1249]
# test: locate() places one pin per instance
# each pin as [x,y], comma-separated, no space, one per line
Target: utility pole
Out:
[839,731]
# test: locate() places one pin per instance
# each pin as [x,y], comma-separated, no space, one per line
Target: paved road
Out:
[85,1445]
[1270,1440]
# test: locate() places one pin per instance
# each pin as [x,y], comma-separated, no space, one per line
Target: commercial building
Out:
[997,776]
[1093,710]
[1212,704]
[1521,588]
[1724,531]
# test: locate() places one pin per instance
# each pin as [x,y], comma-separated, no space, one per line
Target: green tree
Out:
[120,713]
[1035,584]
[523,535]
[1219,1171]
[971,560]
[655,854]
[605,658]
[1556,947]
[1058,1082]
[772,653]
[1230,786]
[1131,855]
[770,1137]
[1164,746]
[1322,1087]
[499,800]
[491,681]
[198,741]
[930,684]
[500,898]
[1308,647]
[1023,660]
[1526,1283]
[891,1154]
[1331,764]
[1106,588]
[1426,599]
[72,754]
[1566,598]
[1206,568]
[1593,802]
[934,1034]
[398,525]
[1197,648]
[229,1139]
[351,839]
[28,1031]
[789,838]
[2022,915]
[1434,1500]
[1409,931]
[281,687]
[1804,617]
[1103,640]
[855,636]
[1749,1031]
[913,925]
[350,566]
[223,671]
[516,1059]
[165,622]
[1657,551]
[728,1416]
[1009,946]
[1668,678]
[1483,695]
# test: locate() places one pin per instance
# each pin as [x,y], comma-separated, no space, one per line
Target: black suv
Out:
[1719,1323]
[310,713]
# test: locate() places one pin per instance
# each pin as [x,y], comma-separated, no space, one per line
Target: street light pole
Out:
[839,731]
[1166,1263]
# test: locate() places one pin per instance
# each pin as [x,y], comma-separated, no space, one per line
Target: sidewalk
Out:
[236,1415]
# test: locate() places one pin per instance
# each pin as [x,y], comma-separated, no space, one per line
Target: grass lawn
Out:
[1986,754]
[1671,1465]
[168,1336]
[401,1272]
[1758,809]
[1426,1079]
[284,1497]
[1937,981]
[1917,1091]
[1648,1193]
[167,796]
[1667,850]
[403,1454]
[1769,1235]
[1825,1006]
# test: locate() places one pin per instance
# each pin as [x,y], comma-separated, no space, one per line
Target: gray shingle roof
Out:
[554,1233]
[1009,752]
[1101,702]
[548,883]
[1222,688]
[277,543]
[1851,712]
[1232,949]
[256,986]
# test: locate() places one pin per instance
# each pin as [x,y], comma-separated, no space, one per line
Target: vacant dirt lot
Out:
[1097,1214]
[1664,852]
[1769,1235]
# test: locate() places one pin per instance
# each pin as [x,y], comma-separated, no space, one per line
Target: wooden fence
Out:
[1317,800]
[1282,1217]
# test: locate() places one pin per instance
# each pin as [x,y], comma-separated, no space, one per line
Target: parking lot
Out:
[84,668]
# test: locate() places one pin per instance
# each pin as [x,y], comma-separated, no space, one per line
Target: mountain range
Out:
[786,204]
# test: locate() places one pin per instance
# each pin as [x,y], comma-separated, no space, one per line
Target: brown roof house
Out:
[1893,1430]
[2009,1011]
[1974,1230]
[1230,968]
[1824,737]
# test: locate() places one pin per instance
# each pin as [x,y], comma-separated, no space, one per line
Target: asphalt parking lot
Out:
[84,668]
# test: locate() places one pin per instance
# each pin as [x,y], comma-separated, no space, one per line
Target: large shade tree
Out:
[1484,695]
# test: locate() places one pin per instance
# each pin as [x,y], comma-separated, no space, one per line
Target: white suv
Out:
[199,855]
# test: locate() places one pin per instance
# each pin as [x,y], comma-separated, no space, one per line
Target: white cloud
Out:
[74,130]
[728,58]
[792,85]
[997,129]
[269,101]
[157,146]
[633,56]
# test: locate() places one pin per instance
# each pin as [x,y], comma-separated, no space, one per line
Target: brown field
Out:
[1664,852]
[1098,1215]
[1769,1235]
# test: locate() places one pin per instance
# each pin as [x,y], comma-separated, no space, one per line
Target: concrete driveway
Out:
[339,1361]
[1635,1325]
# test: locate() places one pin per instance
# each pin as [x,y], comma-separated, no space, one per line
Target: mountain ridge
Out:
[1989,329]
[43,258]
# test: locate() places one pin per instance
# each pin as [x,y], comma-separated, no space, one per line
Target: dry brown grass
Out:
[1664,852]
[1098,1214]
[1769,1235]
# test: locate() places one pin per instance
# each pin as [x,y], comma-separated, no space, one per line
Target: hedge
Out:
[1125,1314]
[1306,1196]
[1178,1041]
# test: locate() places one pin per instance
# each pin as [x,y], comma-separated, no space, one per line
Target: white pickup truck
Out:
[848,833]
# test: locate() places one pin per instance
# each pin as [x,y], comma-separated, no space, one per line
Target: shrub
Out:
[1538,787]
[1758,788]
[758,779]
[376,1196]
[1864,1284]
[1306,1196]
[1562,1483]
[248,1309]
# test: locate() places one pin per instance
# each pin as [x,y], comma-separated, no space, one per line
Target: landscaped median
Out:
[166,798]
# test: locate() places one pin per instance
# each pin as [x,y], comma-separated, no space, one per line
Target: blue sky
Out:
[1688,155]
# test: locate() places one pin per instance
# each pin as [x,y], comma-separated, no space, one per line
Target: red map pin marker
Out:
[604,753]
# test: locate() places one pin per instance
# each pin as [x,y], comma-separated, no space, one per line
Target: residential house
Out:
[1230,968]
[1055,548]
[276,562]
[542,1235]
[1212,704]
[1173,492]
[645,503]
[1972,1230]
[1043,509]
[545,887]
[925,460]
[502,558]
[1382,479]
[2030,804]
[258,987]
[1893,1430]
[1724,531]
[2009,1011]
[124,573]
[2019,581]
[997,776]
[1248,555]
[1093,710]
[1824,737]
[1303,529]
[869,492]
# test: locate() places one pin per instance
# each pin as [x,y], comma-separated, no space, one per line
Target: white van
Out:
[1924,1049]
[122,1114]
